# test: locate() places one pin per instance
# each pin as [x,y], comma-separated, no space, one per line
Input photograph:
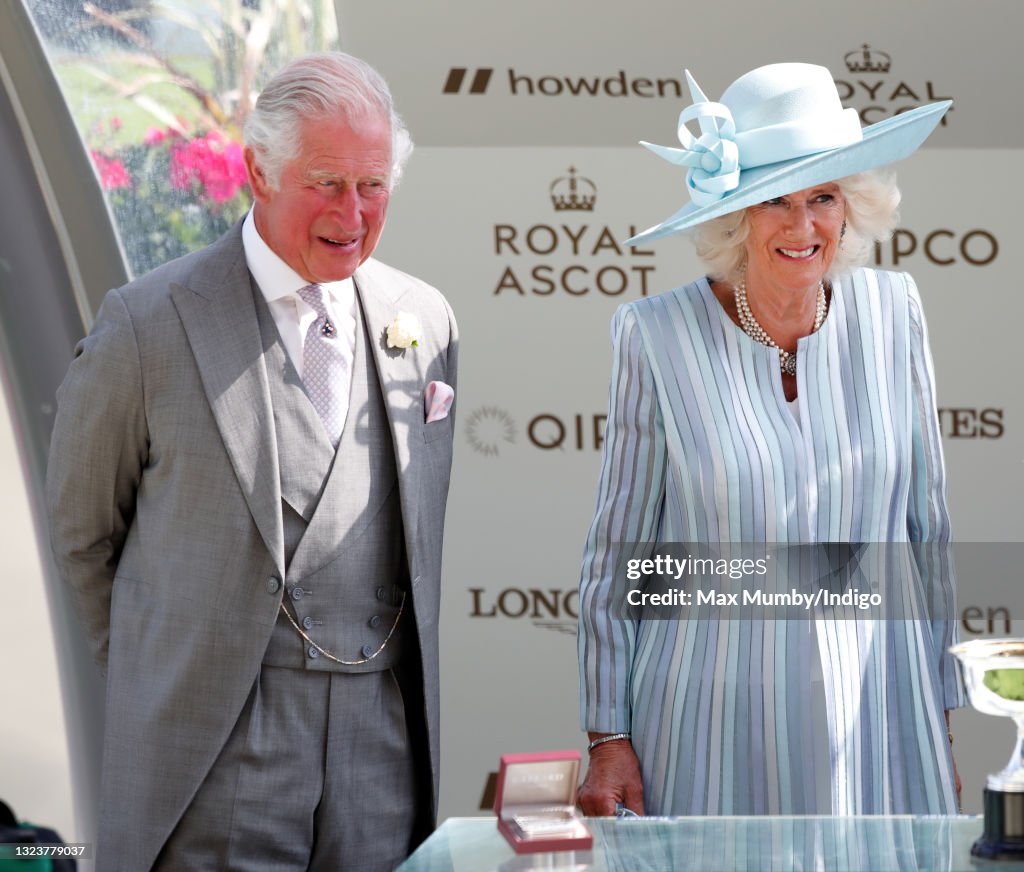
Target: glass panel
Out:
[160,90]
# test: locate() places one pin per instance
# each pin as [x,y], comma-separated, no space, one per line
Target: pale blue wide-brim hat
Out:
[778,129]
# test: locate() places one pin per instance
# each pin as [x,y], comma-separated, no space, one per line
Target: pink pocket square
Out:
[438,399]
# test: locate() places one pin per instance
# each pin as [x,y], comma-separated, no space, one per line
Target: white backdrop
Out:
[534,289]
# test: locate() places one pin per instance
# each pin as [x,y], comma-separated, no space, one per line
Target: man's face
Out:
[327,213]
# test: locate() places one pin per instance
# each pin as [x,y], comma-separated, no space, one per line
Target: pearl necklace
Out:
[750,325]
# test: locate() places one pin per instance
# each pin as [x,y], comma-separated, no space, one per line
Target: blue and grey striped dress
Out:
[760,716]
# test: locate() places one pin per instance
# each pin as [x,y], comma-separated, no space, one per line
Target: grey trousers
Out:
[316,775]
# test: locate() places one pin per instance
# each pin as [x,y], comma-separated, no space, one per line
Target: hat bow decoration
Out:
[777,129]
[713,157]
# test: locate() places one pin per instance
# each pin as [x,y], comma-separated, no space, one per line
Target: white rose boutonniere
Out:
[405,331]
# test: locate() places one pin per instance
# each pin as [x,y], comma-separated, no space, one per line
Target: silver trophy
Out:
[994,675]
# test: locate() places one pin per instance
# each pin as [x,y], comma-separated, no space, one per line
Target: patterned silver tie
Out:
[324,366]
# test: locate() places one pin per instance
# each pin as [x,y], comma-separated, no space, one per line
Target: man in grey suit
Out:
[247,490]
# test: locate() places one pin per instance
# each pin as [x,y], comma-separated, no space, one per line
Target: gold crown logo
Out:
[863,60]
[573,193]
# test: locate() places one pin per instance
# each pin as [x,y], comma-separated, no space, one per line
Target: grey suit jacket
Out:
[165,512]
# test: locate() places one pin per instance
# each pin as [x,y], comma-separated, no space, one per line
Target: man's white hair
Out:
[317,86]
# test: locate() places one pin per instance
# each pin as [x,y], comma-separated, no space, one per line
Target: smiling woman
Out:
[771,260]
[871,199]
[784,399]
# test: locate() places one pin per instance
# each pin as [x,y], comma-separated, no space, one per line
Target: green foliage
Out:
[171,195]
[160,90]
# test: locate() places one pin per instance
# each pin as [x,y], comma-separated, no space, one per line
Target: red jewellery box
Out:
[536,803]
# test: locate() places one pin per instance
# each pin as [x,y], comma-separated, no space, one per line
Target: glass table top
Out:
[709,844]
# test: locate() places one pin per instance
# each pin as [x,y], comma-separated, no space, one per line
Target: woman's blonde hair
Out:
[872,199]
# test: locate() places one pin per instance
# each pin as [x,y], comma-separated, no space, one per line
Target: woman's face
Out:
[794,238]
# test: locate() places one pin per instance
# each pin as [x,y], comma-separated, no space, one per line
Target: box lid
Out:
[547,778]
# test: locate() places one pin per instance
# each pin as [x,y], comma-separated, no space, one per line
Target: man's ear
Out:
[257,178]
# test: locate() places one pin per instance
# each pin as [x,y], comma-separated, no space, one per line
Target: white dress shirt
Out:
[280,284]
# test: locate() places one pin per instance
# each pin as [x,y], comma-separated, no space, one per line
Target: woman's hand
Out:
[613,778]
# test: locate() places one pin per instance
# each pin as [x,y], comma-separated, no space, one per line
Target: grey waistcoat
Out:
[344,545]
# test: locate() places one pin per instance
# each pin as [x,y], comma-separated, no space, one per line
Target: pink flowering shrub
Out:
[112,172]
[210,165]
[170,194]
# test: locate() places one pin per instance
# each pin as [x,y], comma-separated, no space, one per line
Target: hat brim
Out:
[882,143]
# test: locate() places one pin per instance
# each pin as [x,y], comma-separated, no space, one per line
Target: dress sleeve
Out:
[928,524]
[630,496]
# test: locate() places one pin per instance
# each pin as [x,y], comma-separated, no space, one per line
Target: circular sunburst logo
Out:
[488,428]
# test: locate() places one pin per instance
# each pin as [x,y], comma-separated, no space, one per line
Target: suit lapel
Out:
[402,375]
[219,317]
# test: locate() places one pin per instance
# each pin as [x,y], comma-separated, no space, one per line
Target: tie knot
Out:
[313,296]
